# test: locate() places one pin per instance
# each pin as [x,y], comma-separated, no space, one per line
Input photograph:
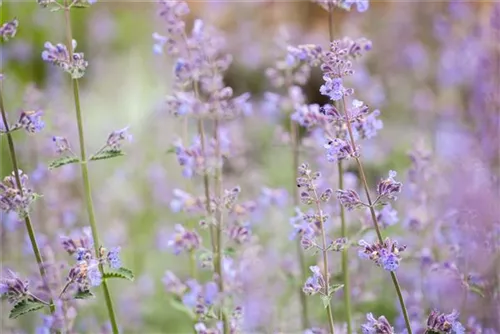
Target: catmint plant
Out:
[16,196]
[200,93]
[90,255]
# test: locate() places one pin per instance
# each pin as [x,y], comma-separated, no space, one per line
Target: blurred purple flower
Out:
[59,56]
[8,30]
[376,326]
[13,288]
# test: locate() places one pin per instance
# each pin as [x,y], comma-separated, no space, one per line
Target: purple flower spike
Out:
[349,199]
[58,55]
[444,323]
[31,121]
[388,188]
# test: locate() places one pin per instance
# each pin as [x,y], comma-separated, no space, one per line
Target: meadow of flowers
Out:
[217,167]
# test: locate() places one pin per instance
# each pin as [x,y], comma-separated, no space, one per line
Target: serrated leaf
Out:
[123,273]
[24,307]
[179,306]
[107,154]
[63,161]
[326,300]
[476,289]
[85,294]
[334,288]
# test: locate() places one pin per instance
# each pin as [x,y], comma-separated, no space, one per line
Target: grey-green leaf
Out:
[107,154]
[476,289]
[334,288]
[326,300]
[24,307]
[179,306]
[84,294]
[122,273]
[63,161]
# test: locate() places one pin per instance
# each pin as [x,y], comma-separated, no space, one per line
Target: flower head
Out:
[31,121]
[184,240]
[59,56]
[376,326]
[349,199]
[113,258]
[387,189]
[12,287]
[115,138]
[386,255]
[14,199]
[442,323]
[314,283]
[62,144]
[8,30]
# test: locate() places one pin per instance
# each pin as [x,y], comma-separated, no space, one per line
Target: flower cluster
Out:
[30,120]
[86,273]
[9,29]
[387,189]
[72,63]
[116,138]
[184,240]
[315,283]
[14,199]
[13,288]
[386,255]
[440,323]
[376,326]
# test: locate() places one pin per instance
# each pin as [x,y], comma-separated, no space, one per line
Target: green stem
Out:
[220,223]
[85,174]
[374,217]
[326,275]
[294,132]
[27,219]
[343,224]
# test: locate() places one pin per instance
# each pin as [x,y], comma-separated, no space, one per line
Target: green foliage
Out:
[122,273]
[84,294]
[179,306]
[63,161]
[25,306]
[107,154]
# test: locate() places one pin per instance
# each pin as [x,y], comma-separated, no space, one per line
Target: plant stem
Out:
[85,174]
[220,222]
[325,259]
[27,219]
[343,224]
[374,216]
[294,133]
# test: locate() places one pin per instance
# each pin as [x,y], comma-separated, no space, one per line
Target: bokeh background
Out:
[434,72]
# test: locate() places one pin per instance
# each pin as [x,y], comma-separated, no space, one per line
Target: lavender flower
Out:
[387,216]
[388,188]
[13,288]
[31,121]
[59,56]
[377,326]
[338,149]
[184,240]
[113,258]
[115,138]
[9,29]
[386,255]
[62,144]
[440,323]
[173,284]
[14,199]
[349,199]
[314,283]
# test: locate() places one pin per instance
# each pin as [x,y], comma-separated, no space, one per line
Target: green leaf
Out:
[84,294]
[230,251]
[171,150]
[55,9]
[24,307]
[326,300]
[63,161]
[107,154]
[179,306]
[476,289]
[123,273]
[334,288]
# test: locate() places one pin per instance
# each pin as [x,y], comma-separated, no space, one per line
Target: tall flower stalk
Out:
[27,220]
[32,123]
[343,223]
[84,169]
[372,210]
